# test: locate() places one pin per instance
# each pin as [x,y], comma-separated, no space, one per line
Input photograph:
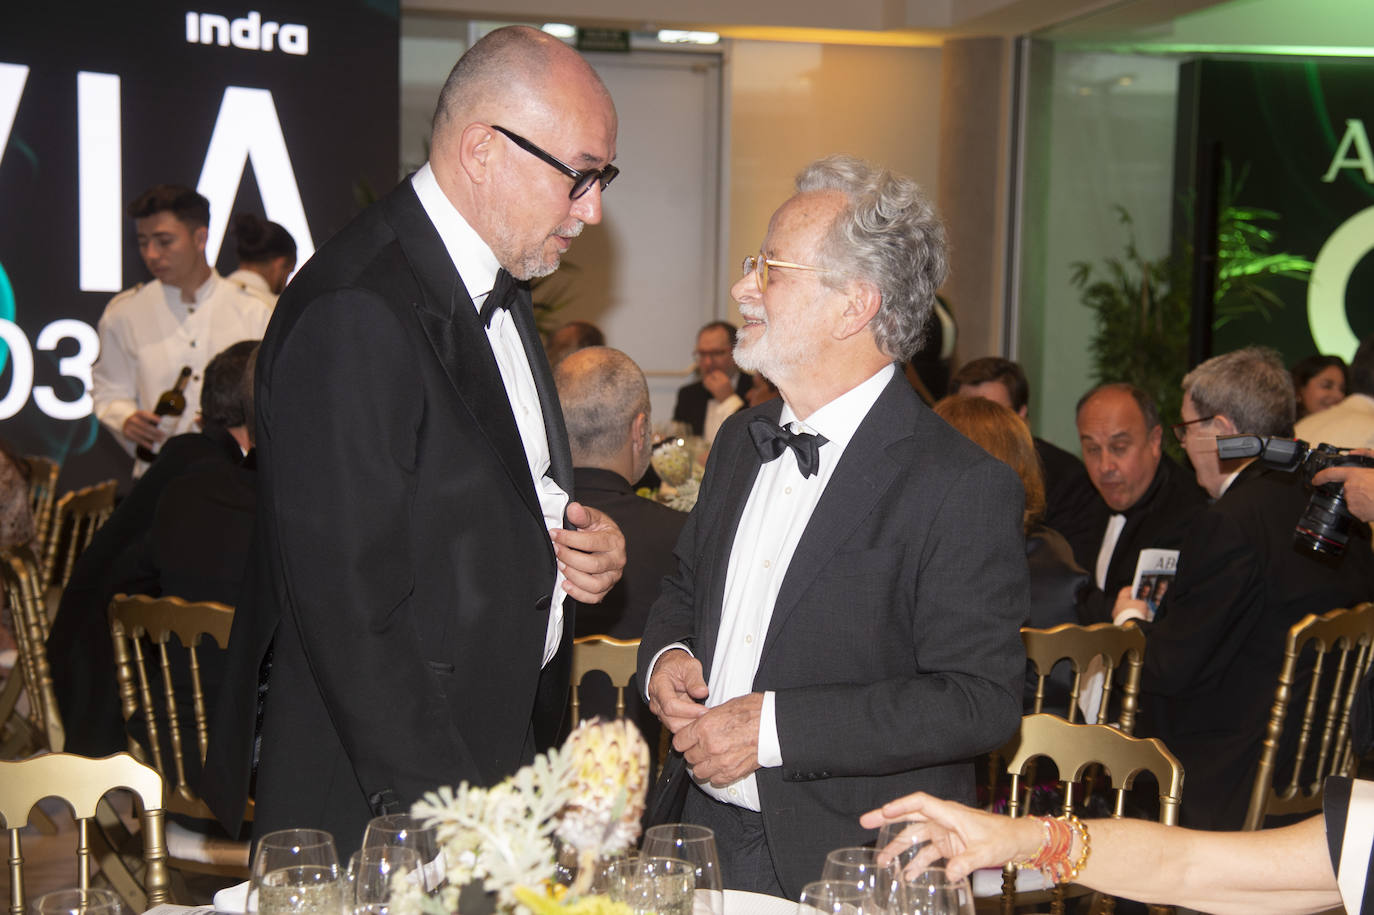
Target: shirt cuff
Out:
[1132,613]
[770,753]
[680,646]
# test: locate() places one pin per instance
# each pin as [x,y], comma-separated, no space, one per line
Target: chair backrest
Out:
[617,658]
[42,728]
[1341,653]
[82,782]
[42,494]
[142,629]
[1116,646]
[77,517]
[1073,748]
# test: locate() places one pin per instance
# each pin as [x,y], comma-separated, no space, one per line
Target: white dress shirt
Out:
[148,333]
[255,284]
[775,517]
[477,268]
[718,411]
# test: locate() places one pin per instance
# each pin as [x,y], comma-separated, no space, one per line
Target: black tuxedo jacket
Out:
[403,571]
[693,398]
[1213,654]
[894,645]
[1160,519]
[80,651]
[1073,506]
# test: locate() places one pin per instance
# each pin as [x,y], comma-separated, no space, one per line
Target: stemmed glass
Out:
[402,830]
[862,869]
[296,872]
[375,871]
[932,893]
[94,901]
[651,885]
[697,846]
[833,897]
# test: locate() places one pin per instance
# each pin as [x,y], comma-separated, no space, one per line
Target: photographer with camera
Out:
[1359,486]
[1216,645]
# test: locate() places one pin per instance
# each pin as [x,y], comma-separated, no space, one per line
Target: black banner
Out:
[285,109]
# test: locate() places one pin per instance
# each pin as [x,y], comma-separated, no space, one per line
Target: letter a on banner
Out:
[247,129]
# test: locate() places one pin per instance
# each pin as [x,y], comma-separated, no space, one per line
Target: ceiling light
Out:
[677,36]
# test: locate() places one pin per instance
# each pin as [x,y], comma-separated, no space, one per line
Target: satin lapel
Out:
[450,322]
[560,457]
[863,475]
[741,467]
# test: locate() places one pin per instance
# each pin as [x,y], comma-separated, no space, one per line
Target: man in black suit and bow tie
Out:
[721,388]
[415,539]
[843,621]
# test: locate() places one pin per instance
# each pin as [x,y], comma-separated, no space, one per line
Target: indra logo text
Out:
[249,33]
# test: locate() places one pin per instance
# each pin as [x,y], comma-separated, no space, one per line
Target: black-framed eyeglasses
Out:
[758,265]
[582,180]
[1181,429]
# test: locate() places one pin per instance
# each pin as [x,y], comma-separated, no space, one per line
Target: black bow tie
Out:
[502,295]
[771,439]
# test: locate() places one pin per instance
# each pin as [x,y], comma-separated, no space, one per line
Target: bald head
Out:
[606,406]
[512,69]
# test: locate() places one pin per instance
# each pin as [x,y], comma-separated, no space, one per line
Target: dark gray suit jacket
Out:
[894,646]
[403,567]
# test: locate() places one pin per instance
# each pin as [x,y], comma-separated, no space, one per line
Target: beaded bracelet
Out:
[1052,858]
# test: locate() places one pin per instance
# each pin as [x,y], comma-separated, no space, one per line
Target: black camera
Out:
[1324,526]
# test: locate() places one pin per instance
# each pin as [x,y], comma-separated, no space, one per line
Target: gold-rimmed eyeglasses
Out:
[759,265]
[582,180]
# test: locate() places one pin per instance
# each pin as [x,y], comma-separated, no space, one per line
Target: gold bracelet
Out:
[1081,828]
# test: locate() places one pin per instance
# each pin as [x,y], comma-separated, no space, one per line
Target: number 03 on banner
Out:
[77,367]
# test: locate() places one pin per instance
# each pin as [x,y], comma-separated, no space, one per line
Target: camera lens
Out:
[1325,524]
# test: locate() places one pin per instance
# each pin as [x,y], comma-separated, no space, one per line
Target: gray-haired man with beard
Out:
[843,622]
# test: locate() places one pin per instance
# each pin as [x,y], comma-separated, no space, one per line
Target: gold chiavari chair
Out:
[41,727]
[143,629]
[1340,655]
[77,517]
[615,657]
[82,782]
[1117,646]
[42,493]
[1073,748]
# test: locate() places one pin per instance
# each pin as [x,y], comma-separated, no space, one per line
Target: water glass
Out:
[651,885]
[94,901]
[900,842]
[296,872]
[697,846]
[405,831]
[832,897]
[862,869]
[375,872]
[932,893]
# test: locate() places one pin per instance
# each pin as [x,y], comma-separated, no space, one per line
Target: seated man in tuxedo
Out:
[1152,499]
[1214,650]
[721,388]
[605,403]
[842,624]
[1072,506]
[79,646]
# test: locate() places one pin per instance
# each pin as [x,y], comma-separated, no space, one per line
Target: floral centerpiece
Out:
[587,795]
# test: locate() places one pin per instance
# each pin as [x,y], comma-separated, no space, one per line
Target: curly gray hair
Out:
[889,236]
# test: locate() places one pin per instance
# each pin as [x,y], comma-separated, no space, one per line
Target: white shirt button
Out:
[768,563]
[788,490]
[749,639]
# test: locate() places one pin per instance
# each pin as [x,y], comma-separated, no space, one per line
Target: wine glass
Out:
[832,897]
[652,885]
[900,842]
[405,831]
[862,869]
[296,872]
[697,846]
[93,901]
[375,871]
[932,893]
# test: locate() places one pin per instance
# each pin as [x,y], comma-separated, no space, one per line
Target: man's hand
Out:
[722,746]
[1129,608]
[676,689]
[141,428]
[592,557]
[718,383]
[1359,486]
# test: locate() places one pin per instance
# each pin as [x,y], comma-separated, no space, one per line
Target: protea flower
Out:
[609,763]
